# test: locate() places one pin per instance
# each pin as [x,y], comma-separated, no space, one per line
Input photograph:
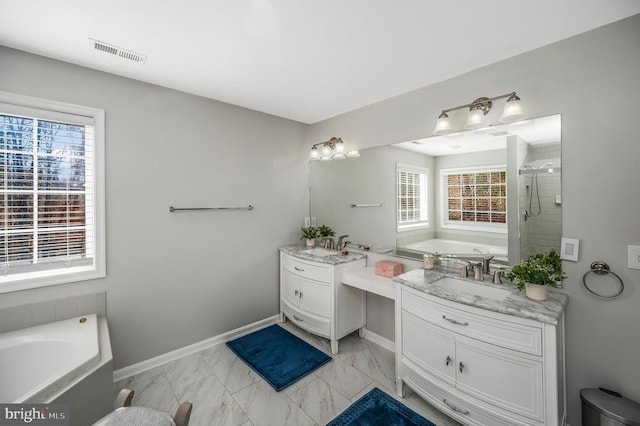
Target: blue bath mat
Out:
[377,408]
[278,356]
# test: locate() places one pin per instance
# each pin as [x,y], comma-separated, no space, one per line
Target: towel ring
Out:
[601,268]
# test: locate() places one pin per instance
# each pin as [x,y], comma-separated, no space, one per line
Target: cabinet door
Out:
[315,297]
[507,379]
[429,347]
[291,287]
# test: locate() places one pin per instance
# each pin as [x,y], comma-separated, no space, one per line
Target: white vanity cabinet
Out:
[478,366]
[313,297]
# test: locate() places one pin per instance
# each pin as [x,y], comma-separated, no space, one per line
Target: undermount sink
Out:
[317,251]
[473,288]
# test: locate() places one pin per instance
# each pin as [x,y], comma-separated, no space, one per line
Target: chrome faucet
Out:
[340,245]
[329,243]
[478,272]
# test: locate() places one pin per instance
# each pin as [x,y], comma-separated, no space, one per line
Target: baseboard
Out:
[159,360]
[379,340]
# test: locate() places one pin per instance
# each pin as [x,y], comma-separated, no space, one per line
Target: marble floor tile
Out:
[320,401]
[377,363]
[225,391]
[300,383]
[351,344]
[343,377]
[229,368]
[186,370]
[212,404]
[266,407]
[151,389]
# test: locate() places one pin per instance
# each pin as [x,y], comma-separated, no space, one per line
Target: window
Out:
[51,193]
[411,193]
[475,199]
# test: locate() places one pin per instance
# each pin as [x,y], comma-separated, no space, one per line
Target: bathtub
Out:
[457,247]
[67,362]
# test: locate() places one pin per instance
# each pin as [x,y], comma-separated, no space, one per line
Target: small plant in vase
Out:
[310,233]
[536,273]
[326,231]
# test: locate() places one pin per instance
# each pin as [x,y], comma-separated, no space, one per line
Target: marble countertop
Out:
[302,252]
[516,303]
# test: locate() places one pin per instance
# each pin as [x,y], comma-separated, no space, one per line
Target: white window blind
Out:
[475,198]
[411,193]
[48,225]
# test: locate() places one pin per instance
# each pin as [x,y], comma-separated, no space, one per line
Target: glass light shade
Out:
[326,150]
[443,125]
[353,154]
[314,155]
[340,147]
[512,111]
[339,156]
[475,119]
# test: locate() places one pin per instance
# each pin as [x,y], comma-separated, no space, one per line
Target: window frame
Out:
[423,224]
[497,228]
[11,103]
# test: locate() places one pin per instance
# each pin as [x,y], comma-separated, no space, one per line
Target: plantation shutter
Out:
[411,194]
[47,192]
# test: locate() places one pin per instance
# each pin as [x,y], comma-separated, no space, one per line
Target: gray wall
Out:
[174,279]
[592,80]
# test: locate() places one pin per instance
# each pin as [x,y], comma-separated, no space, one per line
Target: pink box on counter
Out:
[388,268]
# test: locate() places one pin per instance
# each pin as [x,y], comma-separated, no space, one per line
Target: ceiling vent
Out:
[118,51]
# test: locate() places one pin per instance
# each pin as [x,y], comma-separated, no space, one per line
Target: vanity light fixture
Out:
[333,149]
[480,107]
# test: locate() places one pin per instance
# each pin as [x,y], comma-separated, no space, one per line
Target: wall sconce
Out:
[333,149]
[478,109]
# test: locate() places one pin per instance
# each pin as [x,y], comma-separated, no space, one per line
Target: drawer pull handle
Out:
[295,293]
[298,269]
[298,319]
[454,408]
[461,367]
[448,360]
[300,295]
[452,321]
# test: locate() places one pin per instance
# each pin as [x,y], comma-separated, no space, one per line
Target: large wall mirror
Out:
[495,190]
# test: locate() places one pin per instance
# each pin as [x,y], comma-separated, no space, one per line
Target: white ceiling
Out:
[307,60]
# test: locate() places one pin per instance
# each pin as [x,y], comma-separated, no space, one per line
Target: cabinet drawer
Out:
[311,323]
[454,405]
[307,270]
[496,329]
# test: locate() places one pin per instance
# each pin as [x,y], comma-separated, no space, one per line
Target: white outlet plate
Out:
[313,221]
[307,222]
[634,257]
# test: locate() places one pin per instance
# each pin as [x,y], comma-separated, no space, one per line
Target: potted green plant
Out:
[536,273]
[325,231]
[310,233]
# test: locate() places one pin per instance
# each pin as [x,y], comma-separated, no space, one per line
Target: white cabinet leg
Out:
[283,317]
[334,347]
[400,388]
[361,332]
